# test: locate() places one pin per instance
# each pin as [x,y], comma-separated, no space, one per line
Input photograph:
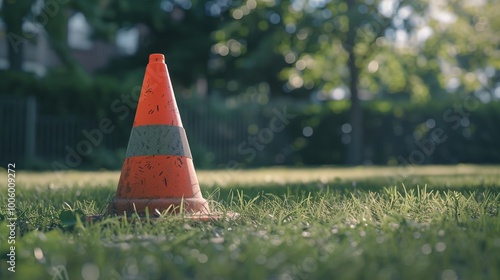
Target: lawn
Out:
[434,222]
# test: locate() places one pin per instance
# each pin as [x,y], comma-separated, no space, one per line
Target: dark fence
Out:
[27,137]
[224,133]
[38,140]
[17,133]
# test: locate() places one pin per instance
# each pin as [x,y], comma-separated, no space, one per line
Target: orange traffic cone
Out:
[158,171]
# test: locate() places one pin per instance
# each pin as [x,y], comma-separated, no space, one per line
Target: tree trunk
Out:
[355,146]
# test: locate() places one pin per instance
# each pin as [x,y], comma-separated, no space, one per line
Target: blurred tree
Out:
[468,44]
[180,29]
[12,13]
[322,46]
[247,49]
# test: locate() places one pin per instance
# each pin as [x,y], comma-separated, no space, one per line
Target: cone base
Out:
[228,216]
[159,205]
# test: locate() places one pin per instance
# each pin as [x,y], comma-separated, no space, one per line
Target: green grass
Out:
[314,223]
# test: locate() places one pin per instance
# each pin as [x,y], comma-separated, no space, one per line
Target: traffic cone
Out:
[158,171]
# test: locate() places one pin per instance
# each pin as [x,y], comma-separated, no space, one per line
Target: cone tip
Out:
[156,58]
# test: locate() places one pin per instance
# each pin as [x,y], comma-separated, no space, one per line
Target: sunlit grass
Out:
[266,176]
[325,223]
